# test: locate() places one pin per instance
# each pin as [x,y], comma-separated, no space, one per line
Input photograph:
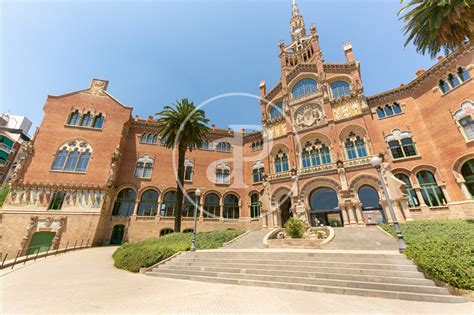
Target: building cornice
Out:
[436,69]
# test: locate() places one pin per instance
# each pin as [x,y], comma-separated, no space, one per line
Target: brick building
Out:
[97,173]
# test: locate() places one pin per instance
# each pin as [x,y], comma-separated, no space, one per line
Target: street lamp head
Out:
[198,192]
[376,161]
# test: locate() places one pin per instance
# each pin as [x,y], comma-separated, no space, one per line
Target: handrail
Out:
[32,253]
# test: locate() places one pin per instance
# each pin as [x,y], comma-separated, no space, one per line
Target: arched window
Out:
[60,159]
[257,145]
[396,108]
[98,121]
[467,125]
[143,138]
[148,205]
[166,232]
[144,167]
[222,173]
[149,138]
[125,202]
[304,87]
[315,153]
[155,139]
[369,198]
[453,80]
[169,204]
[163,140]
[188,170]
[355,147]
[431,192]
[401,144]
[340,88]
[223,147]
[74,118]
[258,170]
[211,207]
[281,162]
[380,112]
[254,206]
[83,161]
[206,145]
[276,111]
[463,118]
[86,120]
[388,110]
[73,156]
[467,171]
[444,86]
[412,197]
[463,74]
[189,204]
[231,207]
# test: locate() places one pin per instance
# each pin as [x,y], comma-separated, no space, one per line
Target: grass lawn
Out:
[133,256]
[442,249]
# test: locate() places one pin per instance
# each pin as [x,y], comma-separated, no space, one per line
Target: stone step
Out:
[250,263]
[305,259]
[305,274]
[315,281]
[316,288]
[312,269]
[295,254]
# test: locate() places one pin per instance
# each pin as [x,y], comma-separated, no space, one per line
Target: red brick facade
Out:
[319,121]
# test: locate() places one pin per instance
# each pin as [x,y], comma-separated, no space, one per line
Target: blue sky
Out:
[155,52]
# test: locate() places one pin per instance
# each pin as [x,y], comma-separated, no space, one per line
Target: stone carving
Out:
[309,115]
[114,166]
[97,87]
[346,109]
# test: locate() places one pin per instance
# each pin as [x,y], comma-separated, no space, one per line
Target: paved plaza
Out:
[86,282]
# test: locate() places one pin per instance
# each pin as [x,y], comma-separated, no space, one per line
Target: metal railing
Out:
[35,252]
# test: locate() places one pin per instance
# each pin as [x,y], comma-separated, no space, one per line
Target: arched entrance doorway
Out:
[325,207]
[117,234]
[371,208]
[285,213]
[40,242]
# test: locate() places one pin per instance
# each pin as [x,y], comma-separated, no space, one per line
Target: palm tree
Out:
[182,127]
[438,24]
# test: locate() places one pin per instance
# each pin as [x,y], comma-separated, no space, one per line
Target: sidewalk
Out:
[86,281]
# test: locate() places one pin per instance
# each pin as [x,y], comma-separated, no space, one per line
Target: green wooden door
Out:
[117,234]
[40,241]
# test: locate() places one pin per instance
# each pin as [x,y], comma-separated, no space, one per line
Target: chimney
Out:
[150,117]
[420,72]
[348,52]
[263,89]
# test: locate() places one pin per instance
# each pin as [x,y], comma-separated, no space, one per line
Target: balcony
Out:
[282,175]
[318,169]
[358,163]
[5,148]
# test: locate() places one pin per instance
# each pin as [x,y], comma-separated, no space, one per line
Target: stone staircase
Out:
[361,238]
[383,274]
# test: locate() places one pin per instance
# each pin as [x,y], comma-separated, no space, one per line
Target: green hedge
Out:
[3,194]
[442,249]
[133,256]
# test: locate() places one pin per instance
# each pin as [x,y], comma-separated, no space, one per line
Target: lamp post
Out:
[198,197]
[376,162]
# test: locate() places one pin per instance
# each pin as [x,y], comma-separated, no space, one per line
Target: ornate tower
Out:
[297,28]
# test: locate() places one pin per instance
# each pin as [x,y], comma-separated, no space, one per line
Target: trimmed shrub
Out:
[442,249]
[133,256]
[3,194]
[295,228]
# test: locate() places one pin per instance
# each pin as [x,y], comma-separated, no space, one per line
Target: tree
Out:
[183,127]
[438,24]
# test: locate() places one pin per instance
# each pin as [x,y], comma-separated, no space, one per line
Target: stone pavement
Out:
[86,282]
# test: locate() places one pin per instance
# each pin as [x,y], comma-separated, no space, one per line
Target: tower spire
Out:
[297,27]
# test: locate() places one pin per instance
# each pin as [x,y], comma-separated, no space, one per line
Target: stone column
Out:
[221,211]
[350,210]
[445,192]
[344,214]
[406,211]
[386,211]
[135,208]
[359,214]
